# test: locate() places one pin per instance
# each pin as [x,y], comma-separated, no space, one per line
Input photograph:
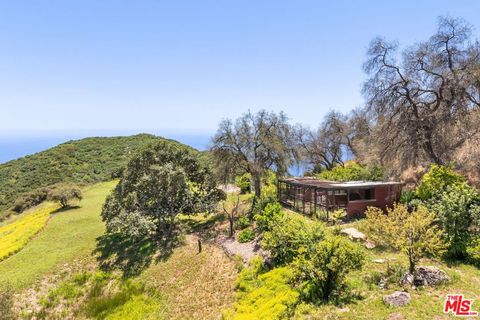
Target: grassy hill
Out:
[82,161]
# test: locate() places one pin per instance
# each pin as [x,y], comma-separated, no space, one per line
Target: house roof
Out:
[325,184]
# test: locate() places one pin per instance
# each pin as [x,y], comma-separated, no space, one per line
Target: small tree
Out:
[325,266]
[230,208]
[243,182]
[65,193]
[415,234]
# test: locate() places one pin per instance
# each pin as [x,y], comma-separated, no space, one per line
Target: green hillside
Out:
[86,161]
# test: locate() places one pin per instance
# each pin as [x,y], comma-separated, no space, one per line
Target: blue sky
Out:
[171,67]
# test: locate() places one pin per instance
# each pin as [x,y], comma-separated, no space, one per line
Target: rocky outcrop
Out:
[397,299]
[425,276]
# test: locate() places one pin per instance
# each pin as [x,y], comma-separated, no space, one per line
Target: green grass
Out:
[70,235]
[15,235]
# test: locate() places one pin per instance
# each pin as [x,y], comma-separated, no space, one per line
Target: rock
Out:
[369,244]
[425,276]
[344,309]
[354,234]
[396,316]
[379,260]
[397,299]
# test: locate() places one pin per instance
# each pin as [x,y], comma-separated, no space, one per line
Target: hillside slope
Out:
[87,160]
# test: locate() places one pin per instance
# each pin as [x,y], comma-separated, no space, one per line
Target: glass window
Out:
[362,194]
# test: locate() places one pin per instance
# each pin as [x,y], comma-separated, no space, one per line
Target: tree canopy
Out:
[254,143]
[156,186]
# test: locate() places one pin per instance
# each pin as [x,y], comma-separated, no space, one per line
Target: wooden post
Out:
[199,246]
[303,200]
[315,201]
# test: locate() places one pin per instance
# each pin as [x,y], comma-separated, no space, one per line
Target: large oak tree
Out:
[255,143]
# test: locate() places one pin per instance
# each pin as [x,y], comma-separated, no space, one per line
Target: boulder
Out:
[397,299]
[354,234]
[369,244]
[425,276]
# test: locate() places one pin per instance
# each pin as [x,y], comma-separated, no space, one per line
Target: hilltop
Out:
[84,161]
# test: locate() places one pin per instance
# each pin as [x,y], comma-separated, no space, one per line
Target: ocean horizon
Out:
[14,146]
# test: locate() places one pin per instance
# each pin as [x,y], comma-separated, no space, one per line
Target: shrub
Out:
[353,171]
[30,199]
[289,235]
[324,267]
[244,183]
[264,296]
[391,276]
[268,215]
[414,233]
[458,209]
[473,252]
[243,222]
[436,180]
[246,235]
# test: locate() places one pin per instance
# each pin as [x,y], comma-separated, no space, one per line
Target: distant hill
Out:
[80,161]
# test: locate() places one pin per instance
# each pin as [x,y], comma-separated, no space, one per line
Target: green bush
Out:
[352,171]
[323,267]
[30,199]
[243,222]
[268,215]
[290,235]
[244,183]
[473,252]
[436,180]
[264,296]
[458,209]
[246,235]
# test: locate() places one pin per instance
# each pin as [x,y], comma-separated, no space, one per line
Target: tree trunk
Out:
[231,227]
[257,185]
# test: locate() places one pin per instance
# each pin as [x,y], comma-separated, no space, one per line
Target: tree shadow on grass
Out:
[63,209]
[130,255]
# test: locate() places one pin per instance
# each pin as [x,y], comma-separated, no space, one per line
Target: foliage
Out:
[264,295]
[15,235]
[352,171]
[473,252]
[243,222]
[458,210]
[289,236]
[83,161]
[246,235]
[157,185]
[64,194]
[243,182]
[30,199]
[416,233]
[255,144]
[271,213]
[324,266]
[436,180]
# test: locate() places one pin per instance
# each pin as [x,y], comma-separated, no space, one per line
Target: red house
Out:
[316,197]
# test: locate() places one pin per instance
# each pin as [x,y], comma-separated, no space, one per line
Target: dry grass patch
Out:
[196,286]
